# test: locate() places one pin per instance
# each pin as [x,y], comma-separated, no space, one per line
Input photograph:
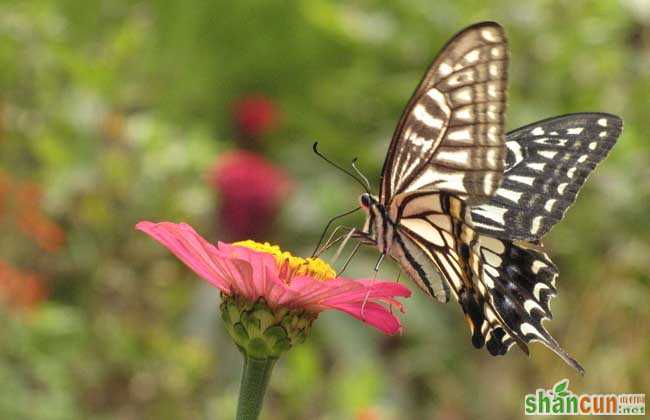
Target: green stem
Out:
[254,380]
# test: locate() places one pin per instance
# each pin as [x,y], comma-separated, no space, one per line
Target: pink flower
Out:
[252,271]
[252,191]
[255,115]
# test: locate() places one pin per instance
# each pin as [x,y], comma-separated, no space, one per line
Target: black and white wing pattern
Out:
[547,163]
[451,135]
[504,287]
[514,283]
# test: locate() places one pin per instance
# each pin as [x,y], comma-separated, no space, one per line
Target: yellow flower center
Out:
[290,265]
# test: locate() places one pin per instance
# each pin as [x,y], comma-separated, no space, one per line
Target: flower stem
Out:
[254,380]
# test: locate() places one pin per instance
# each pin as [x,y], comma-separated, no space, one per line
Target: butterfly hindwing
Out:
[426,242]
[450,137]
[515,283]
[546,164]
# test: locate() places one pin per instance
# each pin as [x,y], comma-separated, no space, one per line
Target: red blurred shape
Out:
[20,290]
[252,191]
[33,222]
[255,115]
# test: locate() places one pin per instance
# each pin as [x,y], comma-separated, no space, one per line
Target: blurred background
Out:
[112,112]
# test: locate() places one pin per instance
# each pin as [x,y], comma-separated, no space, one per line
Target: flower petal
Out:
[374,315]
[189,247]
[230,268]
[361,299]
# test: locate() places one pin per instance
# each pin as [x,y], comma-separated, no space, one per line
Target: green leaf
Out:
[560,388]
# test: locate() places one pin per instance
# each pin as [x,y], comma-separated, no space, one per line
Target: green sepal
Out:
[261,331]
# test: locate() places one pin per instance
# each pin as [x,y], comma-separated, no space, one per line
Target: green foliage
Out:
[117,109]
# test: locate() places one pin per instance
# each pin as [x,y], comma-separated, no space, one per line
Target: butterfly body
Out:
[462,207]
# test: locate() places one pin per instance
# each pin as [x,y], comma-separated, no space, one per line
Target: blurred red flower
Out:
[251,190]
[20,290]
[255,115]
[20,202]
[33,222]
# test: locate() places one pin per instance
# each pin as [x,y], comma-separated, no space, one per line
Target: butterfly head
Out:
[367,201]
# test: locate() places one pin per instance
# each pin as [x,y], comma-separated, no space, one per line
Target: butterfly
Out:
[462,207]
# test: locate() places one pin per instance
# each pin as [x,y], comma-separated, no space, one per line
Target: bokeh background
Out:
[117,111]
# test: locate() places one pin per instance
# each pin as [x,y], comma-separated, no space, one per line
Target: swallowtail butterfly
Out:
[462,207]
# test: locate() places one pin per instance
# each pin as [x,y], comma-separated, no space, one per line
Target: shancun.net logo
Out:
[560,401]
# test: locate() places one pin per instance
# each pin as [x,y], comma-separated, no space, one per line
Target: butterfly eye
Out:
[366,200]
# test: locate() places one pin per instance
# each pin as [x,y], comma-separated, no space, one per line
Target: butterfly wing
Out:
[427,244]
[504,287]
[450,136]
[546,165]
[514,284]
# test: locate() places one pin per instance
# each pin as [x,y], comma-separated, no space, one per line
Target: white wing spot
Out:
[527,328]
[489,183]
[494,69]
[548,154]
[496,52]
[493,91]
[488,279]
[561,187]
[582,158]
[537,223]
[492,157]
[488,227]
[602,134]
[513,196]
[536,166]
[464,114]
[493,259]
[460,135]
[570,172]
[537,265]
[528,180]
[538,288]
[462,95]
[576,130]
[537,131]
[492,244]
[473,56]
[489,35]
[530,304]
[420,113]
[549,205]
[602,122]
[420,141]
[515,148]
[593,145]
[445,69]
[459,155]
[491,212]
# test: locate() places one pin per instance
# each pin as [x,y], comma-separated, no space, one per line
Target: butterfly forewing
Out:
[546,164]
[450,137]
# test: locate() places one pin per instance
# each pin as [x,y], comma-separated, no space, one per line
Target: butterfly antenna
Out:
[339,167]
[327,226]
[354,166]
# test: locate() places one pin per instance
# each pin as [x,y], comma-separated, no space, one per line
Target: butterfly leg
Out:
[331,240]
[347,261]
[374,277]
[343,244]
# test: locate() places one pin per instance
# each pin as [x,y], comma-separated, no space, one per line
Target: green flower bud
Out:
[262,332]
